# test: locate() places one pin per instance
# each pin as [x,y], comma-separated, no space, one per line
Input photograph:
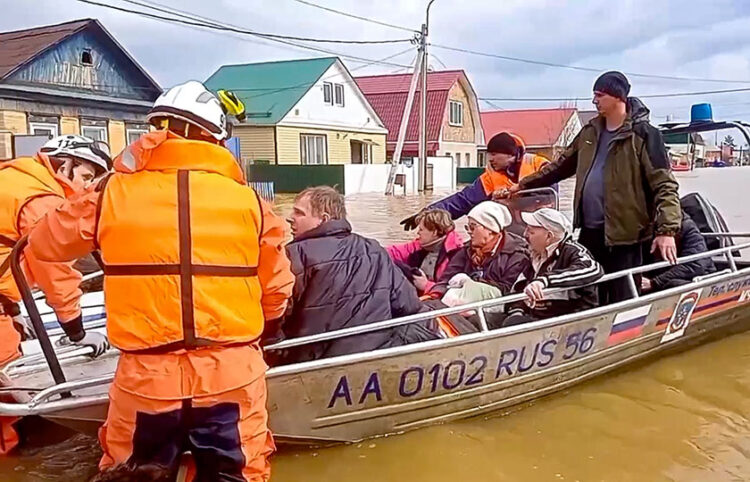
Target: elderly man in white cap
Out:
[492,262]
[557,262]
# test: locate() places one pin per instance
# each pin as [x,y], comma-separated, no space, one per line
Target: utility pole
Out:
[396,161]
[422,164]
[422,167]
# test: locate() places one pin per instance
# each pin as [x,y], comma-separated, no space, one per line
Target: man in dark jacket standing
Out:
[690,241]
[343,280]
[625,192]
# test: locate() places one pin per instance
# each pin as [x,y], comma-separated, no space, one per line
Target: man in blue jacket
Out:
[507,163]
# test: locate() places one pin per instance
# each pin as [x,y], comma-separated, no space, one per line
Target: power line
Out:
[439,61]
[491,104]
[351,15]
[169,10]
[585,69]
[214,25]
[645,96]
[217,26]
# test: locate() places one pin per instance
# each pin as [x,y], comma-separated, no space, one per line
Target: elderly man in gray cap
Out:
[557,262]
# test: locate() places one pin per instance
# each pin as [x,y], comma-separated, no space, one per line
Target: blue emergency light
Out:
[700,113]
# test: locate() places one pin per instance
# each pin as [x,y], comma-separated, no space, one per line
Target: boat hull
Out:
[354,397]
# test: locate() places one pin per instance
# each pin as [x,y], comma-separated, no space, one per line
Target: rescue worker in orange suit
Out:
[194,266]
[32,186]
[507,163]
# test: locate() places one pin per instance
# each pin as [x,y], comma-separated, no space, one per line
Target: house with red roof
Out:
[454,126]
[545,131]
[70,78]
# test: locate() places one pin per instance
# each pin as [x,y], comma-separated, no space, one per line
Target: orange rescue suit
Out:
[29,189]
[194,266]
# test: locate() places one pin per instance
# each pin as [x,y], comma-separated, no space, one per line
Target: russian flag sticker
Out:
[628,325]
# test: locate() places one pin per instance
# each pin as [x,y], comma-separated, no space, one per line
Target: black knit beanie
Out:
[502,143]
[613,83]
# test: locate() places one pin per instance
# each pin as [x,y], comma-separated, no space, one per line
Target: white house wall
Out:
[355,115]
[571,130]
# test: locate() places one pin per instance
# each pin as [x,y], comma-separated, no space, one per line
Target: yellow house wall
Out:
[69,125]
[338,144]
[465,133]
[256,143]
[116,136]
[11,122]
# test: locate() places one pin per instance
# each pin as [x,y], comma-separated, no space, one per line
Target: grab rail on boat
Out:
[36,319]
[43,402]
[481,305]
[539,190]
[11,409]
[726,235]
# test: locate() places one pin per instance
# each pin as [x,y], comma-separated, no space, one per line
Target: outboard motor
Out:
[708,219]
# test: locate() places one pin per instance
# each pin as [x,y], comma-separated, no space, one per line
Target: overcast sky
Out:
[685,38]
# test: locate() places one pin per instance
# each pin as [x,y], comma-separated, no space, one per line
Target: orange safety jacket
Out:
[22,180]
[460,203]
[179,233]
[493,180]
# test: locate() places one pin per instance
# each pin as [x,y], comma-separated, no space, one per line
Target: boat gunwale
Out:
[41,404]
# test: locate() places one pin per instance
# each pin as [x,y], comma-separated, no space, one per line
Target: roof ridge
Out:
[332,57]
[450,71]
[538,109]
[10,32]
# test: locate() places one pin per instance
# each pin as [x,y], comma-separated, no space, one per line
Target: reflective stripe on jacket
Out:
[179,236]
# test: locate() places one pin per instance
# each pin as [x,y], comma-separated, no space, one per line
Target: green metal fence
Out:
[296,178]
[467,175]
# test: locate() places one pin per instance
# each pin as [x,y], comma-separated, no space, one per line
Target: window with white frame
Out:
[313,149]
[456,113]
[328,93]
[468,159]
[458,160]
[339,94]
[97,133]
[134,134]
[43,129]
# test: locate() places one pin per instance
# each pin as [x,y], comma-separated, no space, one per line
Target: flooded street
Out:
[685,417]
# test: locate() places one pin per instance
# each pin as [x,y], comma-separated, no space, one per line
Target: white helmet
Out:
[191,102]
[95,152]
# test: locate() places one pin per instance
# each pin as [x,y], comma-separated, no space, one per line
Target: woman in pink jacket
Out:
[427,257]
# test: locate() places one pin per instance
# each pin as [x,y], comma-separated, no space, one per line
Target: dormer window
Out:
[86,58]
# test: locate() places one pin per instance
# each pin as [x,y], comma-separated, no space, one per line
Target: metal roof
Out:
[270,89]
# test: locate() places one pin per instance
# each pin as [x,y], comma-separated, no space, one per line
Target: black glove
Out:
[410,222]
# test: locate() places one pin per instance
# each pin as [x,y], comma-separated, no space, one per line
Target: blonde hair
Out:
[437,220]
[325,200]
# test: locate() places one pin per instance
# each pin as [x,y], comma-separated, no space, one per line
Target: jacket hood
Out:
[166,151]
[40,168]
[333,227]
[637,110]
[453,242]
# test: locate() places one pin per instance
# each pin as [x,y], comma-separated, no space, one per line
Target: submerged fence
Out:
[265,189]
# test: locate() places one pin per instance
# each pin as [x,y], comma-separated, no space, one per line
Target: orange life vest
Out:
[493,180]
[22,180]
[179,236]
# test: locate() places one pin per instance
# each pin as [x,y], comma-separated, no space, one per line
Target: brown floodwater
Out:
[683,417]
